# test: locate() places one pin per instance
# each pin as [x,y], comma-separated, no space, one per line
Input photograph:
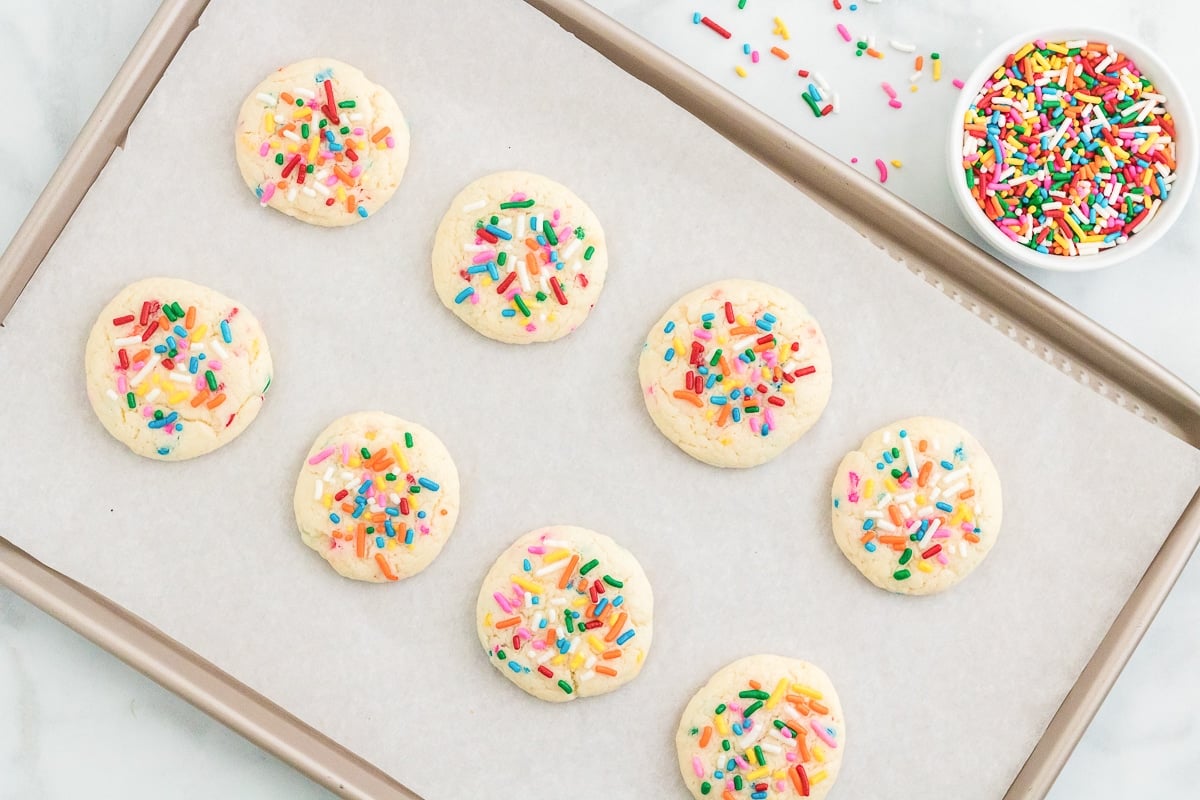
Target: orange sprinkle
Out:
[349,509]
[508,623]
[866,537]
[566,574]
[287,98]
[378,516]
[189,319]
[218,398]
[200,397]
[817,707]
[723,416]
[966,494]
[796,782]
[922,445]
[706,736]
[360,540]
[381,134]
[141,355]
[775,51]
[972,538]
[337,534]
[920,62]
[755,685]
[744,330]
[343,176]
[531,263]
[727,795]
[385,568]
[680,394]
[615,630]
[802,746]
[350,204]
[923,475]
[724,365]
[603,670]
[873,53]
[894,515]
[892,539]
[611,654]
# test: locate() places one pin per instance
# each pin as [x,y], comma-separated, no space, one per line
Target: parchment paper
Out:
[944,696]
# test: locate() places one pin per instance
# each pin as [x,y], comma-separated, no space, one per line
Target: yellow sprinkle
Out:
[579,602]
[302,113]
[198,333]
[487,619]
[709,414]
[557,555]
[558,659]
[1024,51]
[530,586]
[175,398]
[719,722]
[869,487]
[399,457]
[725,440]
[817,778]
[312,150]
[355,461]
[576,661]
[269,122]
[370,436]
[758,773]
[595,643]
[678,343]
[640,654]
[924,566]
[787,388]
[897,163]
[779,774]
[818,753]
[328,500]
[392,544]
[912,87]
[413,503]
[807,691]
[1087,98]
[891,485]
[780,688]
[781,29]
[741,320]
[741,71]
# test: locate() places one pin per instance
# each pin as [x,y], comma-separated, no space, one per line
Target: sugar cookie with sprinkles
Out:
[176,370]
[566,612]
[917,507]
[320,142]
[519,258]
[377,497]
[735,372]
[763,728]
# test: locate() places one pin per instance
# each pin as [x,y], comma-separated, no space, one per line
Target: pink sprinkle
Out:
[122,385]
[741,762]
[146,412]
[789,755]
[895,104]
[475,299]
[852,495]
[968,527]
[538,644]
[537,549]
[887,87]
[530,328]
[700,333]
[345,453]
[770,419]
[330,181]
[780,786]
[264,149]
[356,171]
[524,633]
[556,215]
[882,167]
[941,557]
[359,132]
[754,57]
[754,426]
[511,293]
[845,34]
[822,734]
[854,160]
[391,142]
[216,365]
[518,197]
[697,766]
[321,456]
[268,193]
[502,601]
[483,257]
[200,384]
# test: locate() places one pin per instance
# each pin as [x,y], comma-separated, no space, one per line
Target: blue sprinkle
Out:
[225,332]
[543,624]
[763,324]
[392,512]
[670,354]
[421,515]
[202,356]
[702,370]
[508,312]
[944,507]
[533,226]
[737,414]
[391,531]
[709,317]
[737,729]
[477,269]
[362,489]
[746,48]
[563,646]
[696,18]
[169,418]
[718,400]
[603,604]
[534,600]
[514,666]
[765,430]
[162,451]
[718,774]
[161,348]
[408,536]
[329,134]
[362,211]
[172,344]
[463,295]
[887,457]
[258,193]
[180,331]
[769,317]
[835,503]
[620,599]
[526,565]
[379,542]
[878,465]
[626,636]
[492,271]
[193,365]
[334,518]
[708,384]
[870,547]
[428,484]
[670,327]
[358,511]
[758,796]
[735,394]
[541,240]
[499,233]
[903,434]
[868,524]
[947,465]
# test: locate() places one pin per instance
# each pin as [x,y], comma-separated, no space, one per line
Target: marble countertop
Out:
[66,702]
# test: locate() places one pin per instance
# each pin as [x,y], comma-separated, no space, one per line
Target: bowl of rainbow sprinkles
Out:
[1071,149]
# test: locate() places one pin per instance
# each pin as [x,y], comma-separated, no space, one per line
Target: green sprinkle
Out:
[570,620]
[758,755]
[750,709]
[896,473]
[309,169]
[705,787]
[130,400]
[611,581]
[541,297]
[737,782]
[158,414]
[693,731]
[322,124]
[521,204]
[587,254]
[365,452]
[591,565]
[502,258]
[580,233]
[414,490]
[812,104]
[741,3]
[347,104]
[268,386]
[548,229]
[520,301]
[212,379]
[391,476]
[906,556]
[752,409]
[719,709]
[303,131]
[566,687]
[754,694]
[279,158]
[895,452]
[495,220]
[500,655]
[408,442]
[300,102]
[370,529]
[716,358]
[725,744]
[344,130]
[935,56]
[901,574]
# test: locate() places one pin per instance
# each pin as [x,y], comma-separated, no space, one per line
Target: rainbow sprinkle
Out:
[528,254]
[739,367]
[769,741]
[1068,148]
[373,498]
[169,363]
[563,617]
[318,145]
[921,506]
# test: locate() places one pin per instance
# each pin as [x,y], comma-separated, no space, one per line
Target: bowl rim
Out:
[1185,149]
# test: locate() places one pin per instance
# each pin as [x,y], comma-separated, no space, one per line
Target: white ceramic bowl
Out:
[1185,152]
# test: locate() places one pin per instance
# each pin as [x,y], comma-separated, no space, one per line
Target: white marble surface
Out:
[74,722]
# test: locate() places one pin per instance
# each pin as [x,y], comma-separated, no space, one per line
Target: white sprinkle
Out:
[547,570]
[558,601]
[916,76]
[269,99]
[905,497]
[569,250]
[478,204]
[309,93]
[322,188]
[280,119]
[520,224]
[295,137]
[127,340]
[956,474]
[933,526]
[545,656]
[886,526]
[575,266]
[872,514]
[328,475]
[113,395]
[770,747]
[574,645]
[145,370]
[476,248]
[887,437]
[556,543]
[293,190]
[820,82]
[836,102]
[528,600]
[935,494]
[318,490]
[523,276]
[309,192]
[221,351]
[908,454]
[181,377]
[537,620]
[347,475]
[153,395]
[903,47]
[587,676]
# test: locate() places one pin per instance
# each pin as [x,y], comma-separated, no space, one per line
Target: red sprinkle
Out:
[341,495]
[331,107]
[123,357]
[724,33]
[290,165]
[558,292]
[350,154]
[502,287]
[803,73]
[404,506]
[123,320]
[146,334]
[486,235]
[169,363]
[145,313]
[931,552]
[775,401]
[542,668]
[729,312]
[809,370]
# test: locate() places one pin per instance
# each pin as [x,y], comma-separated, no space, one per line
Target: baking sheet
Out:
[207,551]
